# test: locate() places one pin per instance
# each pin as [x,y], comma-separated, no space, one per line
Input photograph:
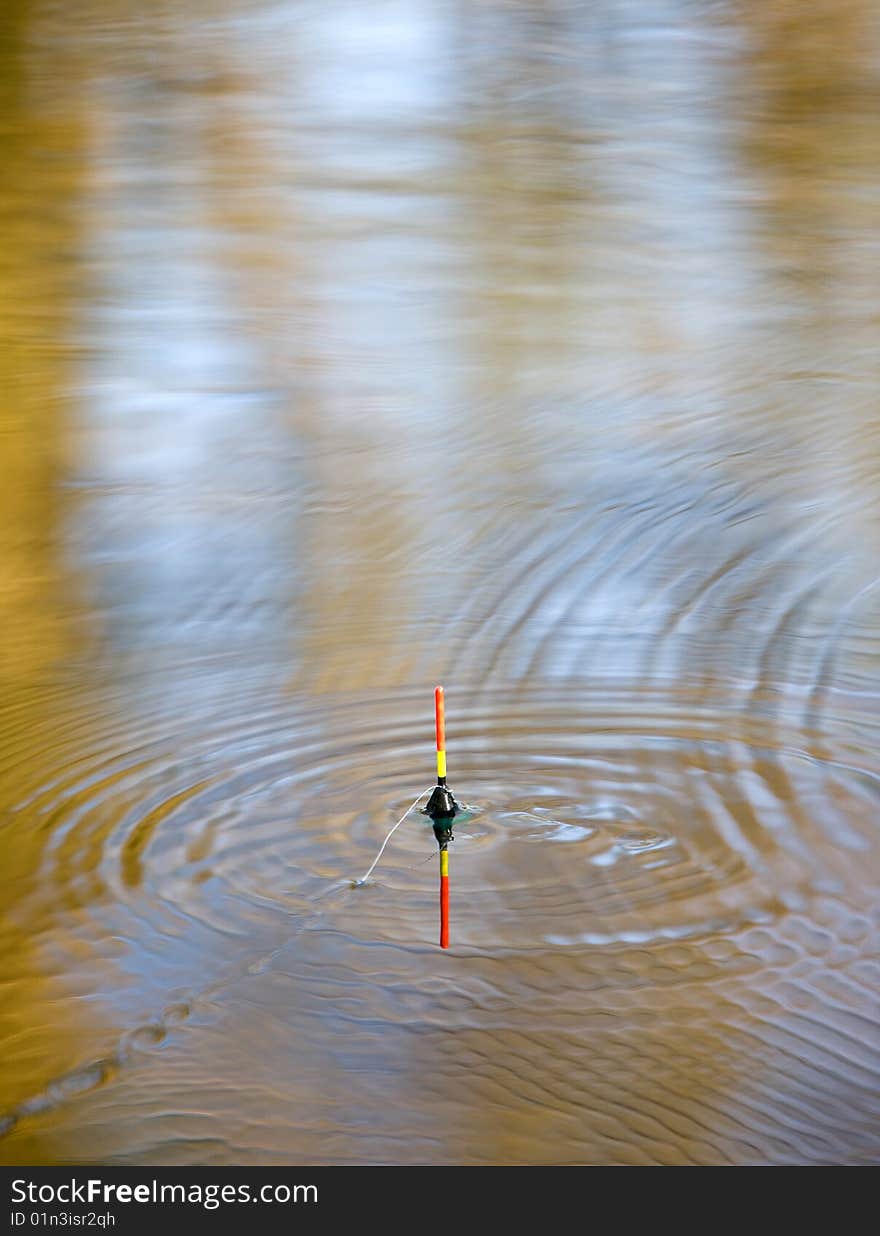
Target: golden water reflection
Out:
[350,348]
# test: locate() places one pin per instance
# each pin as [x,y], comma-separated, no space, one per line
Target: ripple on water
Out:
[619,842]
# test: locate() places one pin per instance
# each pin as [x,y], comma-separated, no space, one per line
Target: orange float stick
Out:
[444,898]
[440,726]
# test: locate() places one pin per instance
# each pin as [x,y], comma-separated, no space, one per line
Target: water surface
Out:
[531,349]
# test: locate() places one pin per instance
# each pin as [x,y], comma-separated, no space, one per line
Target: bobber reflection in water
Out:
[442,808]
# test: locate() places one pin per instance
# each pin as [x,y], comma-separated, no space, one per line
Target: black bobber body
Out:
[442,809]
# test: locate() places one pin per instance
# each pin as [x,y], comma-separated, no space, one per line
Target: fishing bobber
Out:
[442,809]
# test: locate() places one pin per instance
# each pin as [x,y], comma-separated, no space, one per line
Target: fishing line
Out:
[430,858]
[364,878]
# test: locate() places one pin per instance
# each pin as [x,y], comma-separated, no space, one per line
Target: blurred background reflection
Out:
[526,346]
